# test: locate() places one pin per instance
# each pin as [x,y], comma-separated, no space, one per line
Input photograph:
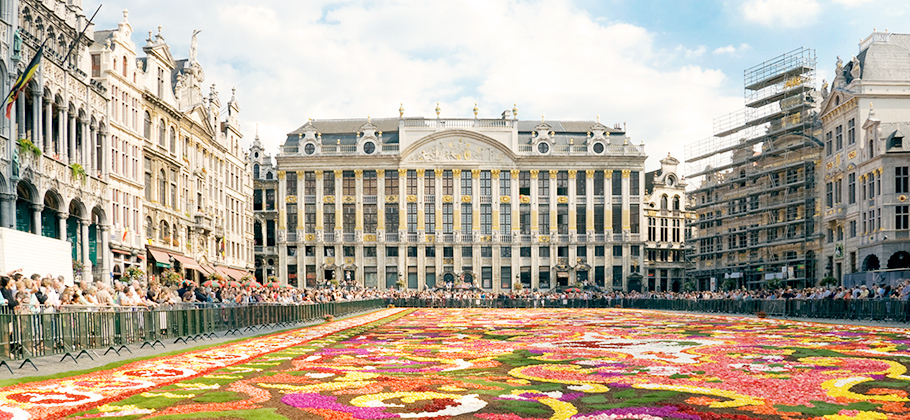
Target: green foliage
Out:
[688,286]
[729,284]
[78,172]
[26,146]
[822,408]
[218,397]
[828,281]
[774,284]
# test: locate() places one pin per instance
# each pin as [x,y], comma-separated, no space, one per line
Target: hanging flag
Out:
[23,80]
[126,231]
[222,247]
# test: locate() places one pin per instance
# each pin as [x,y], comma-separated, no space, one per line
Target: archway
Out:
[899,259]
[25,195]
[50,226]
[871,263]
[76,211]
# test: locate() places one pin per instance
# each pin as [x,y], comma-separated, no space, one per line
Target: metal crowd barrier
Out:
[73,332]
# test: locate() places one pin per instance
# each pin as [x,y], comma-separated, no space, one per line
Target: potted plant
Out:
[400,283]
[27,147]
[78,172]
[517,286]
[761,314]
[78,267]
[133,273]
[828,281]
[170,277]
[329,317]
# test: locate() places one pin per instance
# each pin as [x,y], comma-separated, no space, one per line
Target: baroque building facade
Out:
[427,202]
[265,209]
[666,215]
[865,207]
[53,180]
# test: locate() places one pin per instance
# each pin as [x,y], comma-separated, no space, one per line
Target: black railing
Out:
[74,333]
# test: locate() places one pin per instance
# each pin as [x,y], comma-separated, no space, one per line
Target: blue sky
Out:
[666,68]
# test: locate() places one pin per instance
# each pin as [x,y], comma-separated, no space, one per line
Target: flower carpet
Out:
[507,365]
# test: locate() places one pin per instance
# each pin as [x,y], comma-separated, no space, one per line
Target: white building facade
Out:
[496,203]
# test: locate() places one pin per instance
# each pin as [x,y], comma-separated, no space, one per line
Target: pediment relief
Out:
[455,147]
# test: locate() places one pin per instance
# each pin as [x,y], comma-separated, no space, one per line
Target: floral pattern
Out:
[608,364]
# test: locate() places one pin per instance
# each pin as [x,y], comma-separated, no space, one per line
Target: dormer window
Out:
[543,148]
[309,148]
[598,148]
[369,147]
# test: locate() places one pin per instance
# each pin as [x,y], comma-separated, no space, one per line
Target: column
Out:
[63,139]
[86,260]
[421,207]
[438,208]
[626,227]
[456,210]
[36,218]
[20,116]
[475,226]
[535,231]
[495,202]
[61,220]
[71,140]
[49,129]
[358,228]
[402,207]
[86,150]
[608,205]
[7,210]
[36,119]
[105,253]
[380,228]
[339,215]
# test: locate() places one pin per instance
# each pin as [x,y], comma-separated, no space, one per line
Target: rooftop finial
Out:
[598,119]
[369,120]
[126,14]
[475,110]
[515,111]
[542,119]
[401,110]
[438,110]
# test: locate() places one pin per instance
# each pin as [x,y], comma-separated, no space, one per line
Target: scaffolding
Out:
[754,196]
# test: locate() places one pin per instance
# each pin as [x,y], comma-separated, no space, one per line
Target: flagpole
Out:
[76,41]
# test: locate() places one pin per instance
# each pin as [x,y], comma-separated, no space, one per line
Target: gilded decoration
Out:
[505,199]
[338,174]
[438,172]
[380,173]
[495,173]
[543,238]
[349,260]
[534,173]
[291,199]
[391,199]
[420,173]
[572,174]
[447,199]
[412,198]
[524,199]
[829,165]
[329,260]
[851,155]
[553,174]
[402,173]
[448,261]
[562,199]
[431,238]
[466,199]
[456,173]
[358,173]
[318,174]
[626,173]
[460,150]
[475,173]
[281,174]
[514,173]
[349,199]
[328,199]
[589,174]
[369,238]
[309,237]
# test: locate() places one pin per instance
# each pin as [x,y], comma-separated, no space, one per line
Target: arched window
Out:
[115,63]
[124,66]
[39,28]
[675,203]
[256,171]
[268,175]
[173,140]
[162,133]
[26,20]
[663,202]
[162,188]
[147,128]
[149,228]
[164,231]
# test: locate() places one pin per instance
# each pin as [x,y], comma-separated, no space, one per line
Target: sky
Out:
[664,68]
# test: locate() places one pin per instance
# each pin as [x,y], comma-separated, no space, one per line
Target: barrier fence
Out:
[84,331]
[884,310]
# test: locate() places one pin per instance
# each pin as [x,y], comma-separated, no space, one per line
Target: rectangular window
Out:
[829,143]
[429,218]
[412,217]
[617,251]
[839,191]
[543,184]
[348,183]
[448,217]
[486,252]
[369,218]
[391,218]
[829,194]
[486,277]
[652,229]
[617,183]
[676,230]
[902,179]
[486,184]
[599,183]
[851,188]
[853,228]
[851,131]
[448,184]
[524,218]
[369,182]
[562,183]
[505,183]
[505,277]
[505,219]
[466,182]
[291,183]
[309,218]
[369,251]
[524,183]
[902,217]
[309,183]
[328,183]
[562,219]
[505,252]
[543,218]
[429,183]
[617,219]
[349,215]
[599,225]
[328,218]
[839,137]
[634,187]
[467,252]
[581,186]
[635,220]
[467,217]
[581,219]
[269,199]
[431,252]
[664,230]
[486,219]
[391,184]
[412,182]
[543,252]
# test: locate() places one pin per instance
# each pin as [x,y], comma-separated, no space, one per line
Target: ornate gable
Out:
[458,146]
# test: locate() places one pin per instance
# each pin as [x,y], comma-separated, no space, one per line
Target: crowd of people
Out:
[41,294]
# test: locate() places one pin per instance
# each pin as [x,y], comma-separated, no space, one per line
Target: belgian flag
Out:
[23,80]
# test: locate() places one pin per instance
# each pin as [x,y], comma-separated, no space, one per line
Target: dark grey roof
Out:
[349,126]
[101,36]
[885,61]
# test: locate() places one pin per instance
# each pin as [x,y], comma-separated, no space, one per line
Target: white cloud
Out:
[731,49]
[852,3]
[294,60]
[691,54]
[782,13]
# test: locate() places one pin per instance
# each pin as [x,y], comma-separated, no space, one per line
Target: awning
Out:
[188,263]
[232,273]
[562,275]
[160,257]
[206,269]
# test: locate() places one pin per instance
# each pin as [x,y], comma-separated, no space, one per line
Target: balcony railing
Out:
[391,237]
